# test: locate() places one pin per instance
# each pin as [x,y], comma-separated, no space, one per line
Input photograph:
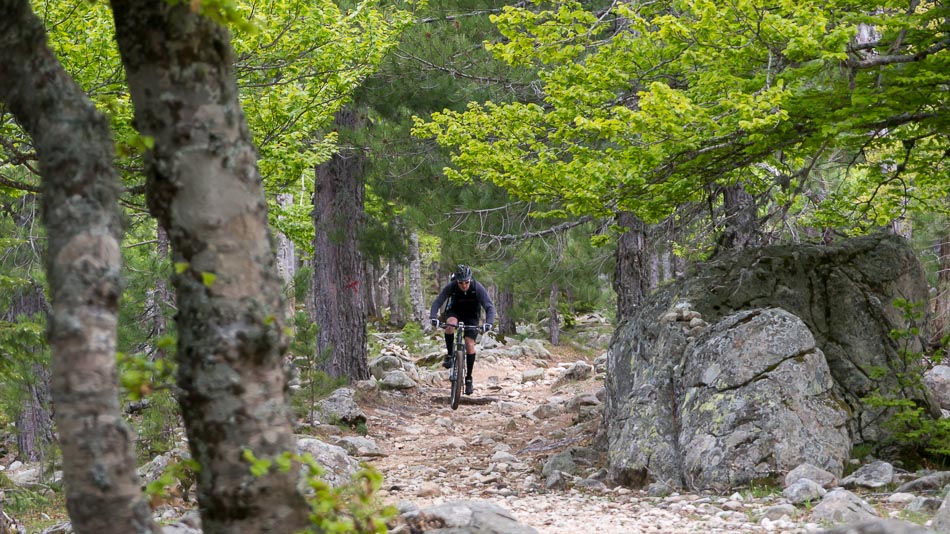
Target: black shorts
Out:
[471,324]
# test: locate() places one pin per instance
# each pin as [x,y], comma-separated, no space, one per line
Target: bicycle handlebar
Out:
[466,326]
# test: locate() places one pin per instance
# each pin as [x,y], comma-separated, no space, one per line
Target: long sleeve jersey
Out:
[464,303]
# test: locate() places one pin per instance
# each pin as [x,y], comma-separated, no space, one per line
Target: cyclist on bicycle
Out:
[465,297]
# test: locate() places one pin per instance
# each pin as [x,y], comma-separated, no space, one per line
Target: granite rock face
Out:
[756,363]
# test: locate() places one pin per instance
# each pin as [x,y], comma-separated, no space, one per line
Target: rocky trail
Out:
[502,446]
[521,456]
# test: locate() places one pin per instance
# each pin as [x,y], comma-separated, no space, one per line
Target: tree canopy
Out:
[647,105]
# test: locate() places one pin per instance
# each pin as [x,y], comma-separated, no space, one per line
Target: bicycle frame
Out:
[459,368]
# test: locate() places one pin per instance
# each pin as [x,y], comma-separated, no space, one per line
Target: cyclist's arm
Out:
[439,301]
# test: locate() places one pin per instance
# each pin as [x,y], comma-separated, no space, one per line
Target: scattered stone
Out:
[938,380]
[580,370]
[874,475]
[815,474]
[360,446]
[381,365]
[804,490]
[562,461]
[429,489]
[532,375]
[658,489]
[546,411]
[924,505]
[889,526]
[933,481]
[471,517]
[842,506]
[339,407]
[397,379]
[778,511]
[339,467]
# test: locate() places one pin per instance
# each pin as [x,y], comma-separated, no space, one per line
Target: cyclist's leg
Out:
[470,334]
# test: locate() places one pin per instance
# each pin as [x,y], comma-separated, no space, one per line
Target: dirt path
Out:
[489,448]
[495,452]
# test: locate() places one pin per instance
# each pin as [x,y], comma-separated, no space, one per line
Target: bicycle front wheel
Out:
[458,372]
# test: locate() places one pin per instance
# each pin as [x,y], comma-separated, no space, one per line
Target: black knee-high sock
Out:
[469,364]
[449,342]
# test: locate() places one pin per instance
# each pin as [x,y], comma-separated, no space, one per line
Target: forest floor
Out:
[493,449]
[494,446]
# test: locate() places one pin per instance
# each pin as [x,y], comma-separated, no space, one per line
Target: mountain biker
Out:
[465,297]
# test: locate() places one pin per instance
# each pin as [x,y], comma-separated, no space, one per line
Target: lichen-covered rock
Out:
[731,373]
[752,399]
[339,407]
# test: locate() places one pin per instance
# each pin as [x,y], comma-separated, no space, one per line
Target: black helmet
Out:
[462,273]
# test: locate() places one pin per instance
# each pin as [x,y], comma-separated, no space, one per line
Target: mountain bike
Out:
[458,369]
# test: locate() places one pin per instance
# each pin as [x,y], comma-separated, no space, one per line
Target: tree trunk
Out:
[369,291]
[420,313]
[504,305]
[205,189]
[554,326]
[631,276]
[157,301]
[287,259]
[741,223]
[396,315]
[34,421]
[338,279]
[941,322]
[80,209]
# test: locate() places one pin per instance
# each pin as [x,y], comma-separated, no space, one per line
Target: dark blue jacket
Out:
[464,303]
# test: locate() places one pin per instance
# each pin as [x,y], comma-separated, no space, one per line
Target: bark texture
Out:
[554,319]
[941,322]
[204,187]
[157,301]
[741,225]
[34,422]
[338,278]
[397,315]
[632,275]
[79,194]
[416,295]
[504,308]
[287,259]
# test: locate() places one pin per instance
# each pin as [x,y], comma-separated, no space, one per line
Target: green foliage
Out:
[139,375]
[351,508]
[412,336]
[299,67]
[224,12]
[647,107]
[21,344]
[19,501]
[297,63]
[157,427]
[181,473]
[314,383]
[912,428]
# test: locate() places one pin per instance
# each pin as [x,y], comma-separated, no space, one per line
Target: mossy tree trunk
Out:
[204,187]
[79,198]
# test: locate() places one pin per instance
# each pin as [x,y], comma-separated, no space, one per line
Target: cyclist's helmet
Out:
[463,273]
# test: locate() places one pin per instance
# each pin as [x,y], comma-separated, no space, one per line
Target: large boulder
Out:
[798,336]
[758,401]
